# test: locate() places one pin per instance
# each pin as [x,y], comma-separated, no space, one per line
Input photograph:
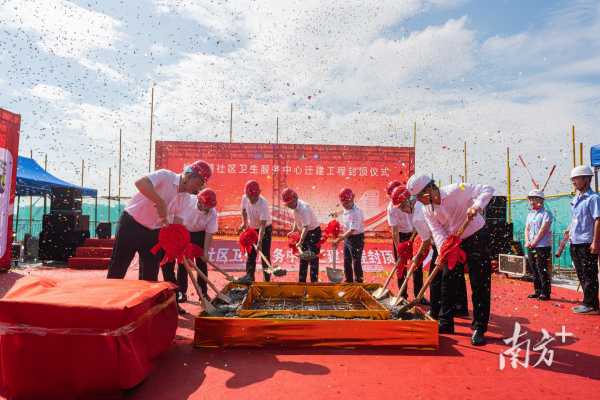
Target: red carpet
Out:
[94,254]
[457,370]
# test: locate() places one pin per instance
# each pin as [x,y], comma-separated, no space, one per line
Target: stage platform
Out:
[454,370]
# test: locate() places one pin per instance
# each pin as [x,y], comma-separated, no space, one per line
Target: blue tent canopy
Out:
[595,155]
[32,180]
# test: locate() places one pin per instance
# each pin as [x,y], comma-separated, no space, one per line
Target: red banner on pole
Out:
[10,125]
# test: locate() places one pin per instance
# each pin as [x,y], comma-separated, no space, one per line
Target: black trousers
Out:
[461,304]
[168,270]
[478,258]
[417,273]
[538,260]
[311,242]
[353,249]
[435,290]
[132,238]
[266,250]
[586,265]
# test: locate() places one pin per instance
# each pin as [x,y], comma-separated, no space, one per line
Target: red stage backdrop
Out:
[9,149]
[316,172]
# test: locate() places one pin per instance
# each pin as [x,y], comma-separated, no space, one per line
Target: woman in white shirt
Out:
[199,216]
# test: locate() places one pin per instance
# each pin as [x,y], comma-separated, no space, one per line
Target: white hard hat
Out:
[536,193]
[581,170]
[417,183]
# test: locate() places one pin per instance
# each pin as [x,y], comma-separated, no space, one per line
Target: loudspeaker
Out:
[63,199]
[103,230]
[62,232]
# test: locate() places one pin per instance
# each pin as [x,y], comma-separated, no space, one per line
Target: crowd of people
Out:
[419,208]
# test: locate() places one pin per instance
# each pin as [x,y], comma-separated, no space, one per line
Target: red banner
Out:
[316,172]
[10,125]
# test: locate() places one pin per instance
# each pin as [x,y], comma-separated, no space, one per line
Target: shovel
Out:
[277,270]
[432,275]
[333,274]
[202,275]
[383,291]
[397,300]
[208,307]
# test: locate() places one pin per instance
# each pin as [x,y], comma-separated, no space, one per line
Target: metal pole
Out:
[82,169]
[45,169]
[451,179]
[120,158]
[30,213]
[573,145]
[277,130]
[151,125]
[580,153]
[96,213]
[109,179]
[508,186]
[465,177]
[231,123]
[18,208]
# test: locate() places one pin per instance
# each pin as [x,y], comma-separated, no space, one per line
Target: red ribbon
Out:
[404,252]
[173,240]
[451,252]
[192,251]
[248,238]
[293,239]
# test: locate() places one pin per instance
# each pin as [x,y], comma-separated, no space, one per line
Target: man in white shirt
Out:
[445,211]
[353,237]
[146,213]
[400,222]
[306,221]
[199,216]
[256,215]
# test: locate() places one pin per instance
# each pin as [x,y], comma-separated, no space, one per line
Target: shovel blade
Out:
[335,275]
[380,293]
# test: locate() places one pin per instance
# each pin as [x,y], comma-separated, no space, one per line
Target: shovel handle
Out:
[203,276]
[411,269]
[206,304]
[216,267]
[264,258]
[389,278]
[334,247]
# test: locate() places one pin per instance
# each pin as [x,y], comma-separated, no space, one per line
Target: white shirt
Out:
[398,218]
[185,206]
[142,209]
[304,216]
[419,222]
[354,219]
[257,212]
[445,219]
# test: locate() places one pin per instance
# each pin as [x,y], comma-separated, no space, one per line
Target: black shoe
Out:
[446,329]
[533,296]
[543,297]
[583,309]
[478,339]
[181,297]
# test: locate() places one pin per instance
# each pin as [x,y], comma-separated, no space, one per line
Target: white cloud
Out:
[49,92]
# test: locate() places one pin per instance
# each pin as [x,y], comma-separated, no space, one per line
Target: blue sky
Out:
[493,73]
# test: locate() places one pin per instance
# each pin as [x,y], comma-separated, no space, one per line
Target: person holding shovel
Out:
[199,216]
[306,221]
[446,210]
[256,215]
[538,240]
[353,237]
[146,213]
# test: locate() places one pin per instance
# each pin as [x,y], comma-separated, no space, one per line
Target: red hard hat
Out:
[399,195]
[288,195]
[391,186]
[208,198]
[252,188]
[346,194]
[200,168]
